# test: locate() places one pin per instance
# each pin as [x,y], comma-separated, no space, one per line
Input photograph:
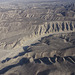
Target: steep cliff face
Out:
[56,26]
[34,31]
[21,22]
[51,52]
[37,38]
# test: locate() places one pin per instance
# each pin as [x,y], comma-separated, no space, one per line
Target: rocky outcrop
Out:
[21,23]
[54,26]
[32,31]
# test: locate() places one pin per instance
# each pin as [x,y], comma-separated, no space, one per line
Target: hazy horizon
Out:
[31,0]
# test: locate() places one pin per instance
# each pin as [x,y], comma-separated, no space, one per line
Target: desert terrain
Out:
[37,37]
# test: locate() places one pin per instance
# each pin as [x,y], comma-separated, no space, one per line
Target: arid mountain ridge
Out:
[33,20]
[37,37]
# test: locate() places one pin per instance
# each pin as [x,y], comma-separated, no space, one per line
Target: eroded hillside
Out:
[37,37]
[22,22]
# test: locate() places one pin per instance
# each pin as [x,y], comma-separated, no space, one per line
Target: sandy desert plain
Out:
[37,37]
